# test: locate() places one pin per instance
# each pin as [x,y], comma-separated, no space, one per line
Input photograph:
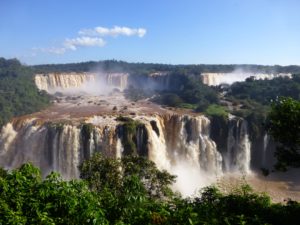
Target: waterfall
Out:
[214,79]
[197,161]
[180,144]
[264,156]
[7,136]
[188,140]
[238,154]
[68,149]
[157,145]
[119,148]
[183,147]
[74,82]
[117,80]
[53,82]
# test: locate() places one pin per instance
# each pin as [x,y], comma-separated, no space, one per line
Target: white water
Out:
[7,136]
[214,79]
[157,147]
[70,83]
[264,156]
[119,148]
[238,155]
[188,153]
[180,145]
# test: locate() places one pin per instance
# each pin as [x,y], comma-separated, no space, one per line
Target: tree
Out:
[131,189]
[103,172]
[18,92]
[283,123]
[27,199]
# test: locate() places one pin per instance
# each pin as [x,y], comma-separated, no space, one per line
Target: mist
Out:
[190,179]
[238,75]
[92,83]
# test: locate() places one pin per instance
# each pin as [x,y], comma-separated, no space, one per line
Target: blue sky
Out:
[158,31]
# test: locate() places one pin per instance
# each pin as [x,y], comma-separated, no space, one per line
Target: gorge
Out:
[82,122]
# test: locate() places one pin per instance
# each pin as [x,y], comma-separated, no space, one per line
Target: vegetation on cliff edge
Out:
[18,93]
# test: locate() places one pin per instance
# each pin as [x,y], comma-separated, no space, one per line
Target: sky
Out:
[158,31]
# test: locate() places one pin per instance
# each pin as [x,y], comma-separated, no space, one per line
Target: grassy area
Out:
[216,110]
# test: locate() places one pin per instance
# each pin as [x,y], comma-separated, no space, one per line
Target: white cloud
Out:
[83,41]
[115,31]
[93,38]
[73,44]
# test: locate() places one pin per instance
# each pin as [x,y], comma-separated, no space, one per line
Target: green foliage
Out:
[242,206]
[102,172]
[86,130]
[188,106]
[219,125]
[143,68]
[252,99]
[256,121]
[27,199]
[169,99]
[135,94]
[216,110]
[186,90]
[128,191]
[18,93]
[284,125]
[263,91]
[124,119]
[130,188]
[128,131]
[156,182]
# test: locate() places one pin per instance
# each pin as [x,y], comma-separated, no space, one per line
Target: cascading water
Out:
[238,155]
[58,82]
[157,145]
[178,143]
[214,79]
[264,156]
[74,82]
[7,136]
[117,80]
[195,158]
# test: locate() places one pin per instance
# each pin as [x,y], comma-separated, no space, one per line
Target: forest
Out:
[130,190]
[18,92]
[142,68]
